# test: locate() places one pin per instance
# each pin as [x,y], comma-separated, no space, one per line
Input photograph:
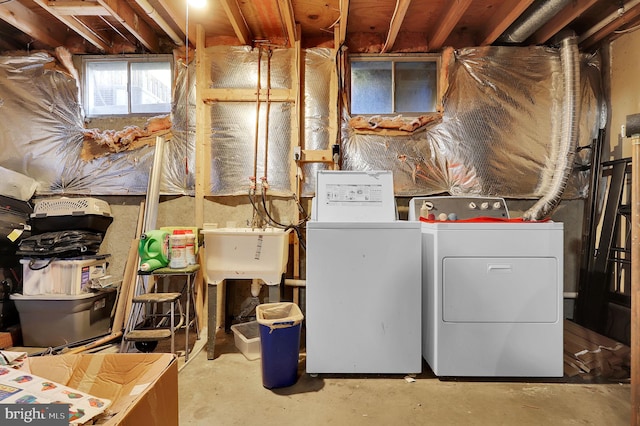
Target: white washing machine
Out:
[363,292]
[492,291]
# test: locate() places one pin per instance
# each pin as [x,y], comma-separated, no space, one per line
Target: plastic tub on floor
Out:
[57,319]
[280,325]
[247,339]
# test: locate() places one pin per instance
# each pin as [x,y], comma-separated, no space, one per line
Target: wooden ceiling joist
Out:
[286,14]
[237,20]
[342,30]
[396,23]
[447,23]
[78,7]
[32,24]
[561,20]
[502,19]
[132,22]
[76,25]
[180,19]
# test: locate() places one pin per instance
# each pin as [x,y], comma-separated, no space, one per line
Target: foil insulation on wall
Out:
[232,147]
[318,68]
[41,132]
[178,175]
[233,124]
[502,112]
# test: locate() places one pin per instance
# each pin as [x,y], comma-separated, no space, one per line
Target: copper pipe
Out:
[255,145]
[266,131]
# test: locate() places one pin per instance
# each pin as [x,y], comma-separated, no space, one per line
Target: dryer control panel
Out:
[457,208]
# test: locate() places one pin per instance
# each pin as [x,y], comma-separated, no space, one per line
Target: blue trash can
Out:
[280,325]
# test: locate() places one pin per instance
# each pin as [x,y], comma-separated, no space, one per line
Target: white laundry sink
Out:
[246,253]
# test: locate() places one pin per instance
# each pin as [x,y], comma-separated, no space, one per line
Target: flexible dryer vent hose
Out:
[570,61]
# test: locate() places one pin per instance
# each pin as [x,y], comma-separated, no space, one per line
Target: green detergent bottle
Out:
[153,250]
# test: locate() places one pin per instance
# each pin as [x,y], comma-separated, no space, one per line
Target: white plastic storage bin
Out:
[71,277]
[247,339]
[240,253]
[55,320]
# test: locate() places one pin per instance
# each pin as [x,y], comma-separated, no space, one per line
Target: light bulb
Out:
[197,3]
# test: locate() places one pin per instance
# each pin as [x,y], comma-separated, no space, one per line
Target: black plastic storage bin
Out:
[280,325]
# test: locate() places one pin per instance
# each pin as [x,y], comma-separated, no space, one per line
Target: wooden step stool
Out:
[156,331]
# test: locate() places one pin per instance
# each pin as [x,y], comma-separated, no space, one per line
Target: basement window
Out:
[391,84]
[131,84]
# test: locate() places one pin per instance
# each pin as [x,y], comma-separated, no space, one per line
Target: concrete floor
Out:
[228,391]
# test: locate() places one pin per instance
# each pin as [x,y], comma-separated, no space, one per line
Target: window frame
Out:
[396,58]
[129,59]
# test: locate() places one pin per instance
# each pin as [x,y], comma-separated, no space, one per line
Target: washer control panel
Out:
[457,208]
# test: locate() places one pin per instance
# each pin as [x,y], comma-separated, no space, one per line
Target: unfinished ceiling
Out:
[159,26]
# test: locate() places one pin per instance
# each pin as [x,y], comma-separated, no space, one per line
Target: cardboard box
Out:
[12,337]
[143,388]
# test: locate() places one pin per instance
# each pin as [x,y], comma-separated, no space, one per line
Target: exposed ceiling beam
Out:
[237,20]
[77,7]
[396,23]
[132,22]
[286,14]
[447,23]
[561,20]
[159,20]
[39,28]
[79,27]
[610,24]
[344,14]
[180,19]
[502,19]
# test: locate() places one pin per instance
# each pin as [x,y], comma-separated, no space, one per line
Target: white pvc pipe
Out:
[255,287]
[295,283]
[606,21]
[153,187]
[151,12]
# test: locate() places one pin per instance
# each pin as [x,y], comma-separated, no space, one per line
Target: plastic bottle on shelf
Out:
[177,251]
[190,246]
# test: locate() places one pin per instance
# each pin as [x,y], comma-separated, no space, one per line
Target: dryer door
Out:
[514,290]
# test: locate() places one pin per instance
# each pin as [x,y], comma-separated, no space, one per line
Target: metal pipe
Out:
[266,130]
[257,127]
[540,12]
[153,14]
[570,59]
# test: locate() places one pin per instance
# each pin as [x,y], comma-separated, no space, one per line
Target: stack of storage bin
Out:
[58,304]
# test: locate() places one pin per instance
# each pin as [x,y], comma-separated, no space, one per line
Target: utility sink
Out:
[246,253]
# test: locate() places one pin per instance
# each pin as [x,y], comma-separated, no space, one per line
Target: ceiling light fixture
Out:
[197,3]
